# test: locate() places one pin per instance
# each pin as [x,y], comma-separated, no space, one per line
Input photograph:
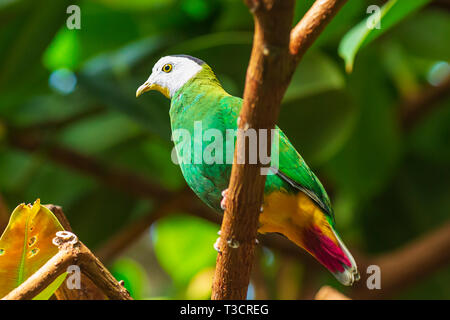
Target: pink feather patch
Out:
[325,250]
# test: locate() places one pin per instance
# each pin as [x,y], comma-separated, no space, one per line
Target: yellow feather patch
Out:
[290,214]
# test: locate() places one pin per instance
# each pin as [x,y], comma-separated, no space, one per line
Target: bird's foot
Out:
[216,245]
[223,203]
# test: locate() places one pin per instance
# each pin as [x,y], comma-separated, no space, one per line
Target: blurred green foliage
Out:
[369,29]
[388,185]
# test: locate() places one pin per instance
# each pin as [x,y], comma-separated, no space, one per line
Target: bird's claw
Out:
[216,245]
[223,203]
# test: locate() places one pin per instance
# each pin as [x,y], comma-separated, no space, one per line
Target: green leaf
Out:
[184,246]
[363,33]
[133,275]
[64,51]
[50,290]
[26,245]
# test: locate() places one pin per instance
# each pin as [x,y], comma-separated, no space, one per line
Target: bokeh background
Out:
[73,134]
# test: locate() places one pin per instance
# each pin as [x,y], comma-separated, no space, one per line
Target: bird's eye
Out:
[167,68]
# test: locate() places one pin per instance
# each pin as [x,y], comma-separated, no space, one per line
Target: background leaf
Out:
[391,13]
[184,246]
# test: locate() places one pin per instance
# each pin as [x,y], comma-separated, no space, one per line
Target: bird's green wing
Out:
[292,169]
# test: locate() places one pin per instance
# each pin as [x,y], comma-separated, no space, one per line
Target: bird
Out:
[295,203]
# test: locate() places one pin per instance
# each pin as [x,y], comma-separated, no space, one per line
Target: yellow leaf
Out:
[26,244]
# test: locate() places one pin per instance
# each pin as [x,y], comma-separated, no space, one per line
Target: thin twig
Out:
[88,290]
[311,26]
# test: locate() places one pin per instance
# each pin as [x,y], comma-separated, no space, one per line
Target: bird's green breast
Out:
[198,107]
[201,109]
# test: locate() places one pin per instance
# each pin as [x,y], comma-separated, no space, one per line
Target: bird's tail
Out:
[311,229]
[332,253]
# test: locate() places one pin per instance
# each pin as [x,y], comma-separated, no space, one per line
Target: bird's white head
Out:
[170,73]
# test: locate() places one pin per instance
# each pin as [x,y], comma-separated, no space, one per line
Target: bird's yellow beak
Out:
[147,86]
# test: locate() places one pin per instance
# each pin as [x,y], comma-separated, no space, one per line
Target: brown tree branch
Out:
[267,77]
[311,26]
[71,252]
[272,64]
[88,290]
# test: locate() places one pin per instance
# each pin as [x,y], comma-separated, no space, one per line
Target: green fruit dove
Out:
[295,202]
